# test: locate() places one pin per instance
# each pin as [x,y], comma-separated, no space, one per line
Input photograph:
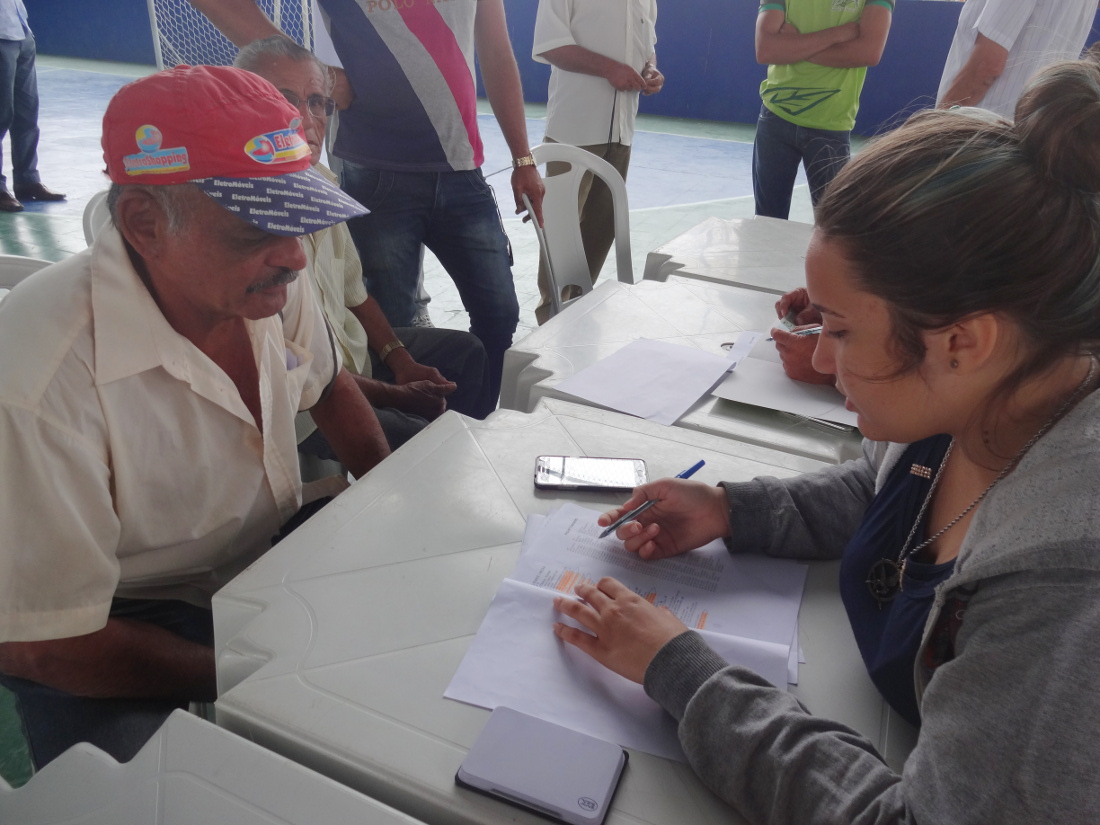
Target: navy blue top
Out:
[889,637]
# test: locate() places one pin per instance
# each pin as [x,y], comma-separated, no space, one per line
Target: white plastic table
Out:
[758,253]
[335,648]
[190,773]
[681,311]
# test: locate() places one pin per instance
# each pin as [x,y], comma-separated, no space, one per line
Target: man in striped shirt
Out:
[1000,44]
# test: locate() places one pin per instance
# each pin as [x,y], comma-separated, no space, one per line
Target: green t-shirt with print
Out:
[807,94]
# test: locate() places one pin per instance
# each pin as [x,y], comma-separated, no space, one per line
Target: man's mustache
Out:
[283,276]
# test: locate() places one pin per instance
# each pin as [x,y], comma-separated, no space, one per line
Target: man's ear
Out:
[141,221]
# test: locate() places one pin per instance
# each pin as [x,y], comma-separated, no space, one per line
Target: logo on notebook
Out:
[587,803]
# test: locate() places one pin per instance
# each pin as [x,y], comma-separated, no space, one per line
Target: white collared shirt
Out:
[13,20]
[1035,33]
[584,110]
[336,275]
[130,463]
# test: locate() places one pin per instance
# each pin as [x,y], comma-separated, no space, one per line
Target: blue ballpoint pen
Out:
[690,471]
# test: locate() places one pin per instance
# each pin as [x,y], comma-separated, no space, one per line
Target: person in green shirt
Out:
[817,53]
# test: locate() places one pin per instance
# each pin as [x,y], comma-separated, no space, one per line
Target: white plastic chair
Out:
[14,268]
[96,216]
[560,236]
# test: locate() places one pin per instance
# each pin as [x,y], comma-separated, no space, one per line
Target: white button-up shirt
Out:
[13,20]
[130,463]
[585,110]
[1035,33]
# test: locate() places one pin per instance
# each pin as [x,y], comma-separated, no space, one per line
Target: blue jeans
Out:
[779,147]
[454,214]
[19,108]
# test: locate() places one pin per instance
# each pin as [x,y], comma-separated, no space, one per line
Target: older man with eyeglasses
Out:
[410,375]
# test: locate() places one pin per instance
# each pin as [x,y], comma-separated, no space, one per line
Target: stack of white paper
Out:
[650,379]
[760,380]
[746,607]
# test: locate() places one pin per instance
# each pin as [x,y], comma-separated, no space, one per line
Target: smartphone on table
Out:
[563,472]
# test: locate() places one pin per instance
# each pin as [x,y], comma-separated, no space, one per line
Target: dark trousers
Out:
[458,356]
[54,721]
[19,108]
[779,148]
[454,214]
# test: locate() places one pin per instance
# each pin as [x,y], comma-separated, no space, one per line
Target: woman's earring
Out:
[954,364]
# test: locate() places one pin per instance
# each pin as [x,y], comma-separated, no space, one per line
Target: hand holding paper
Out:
[629,631]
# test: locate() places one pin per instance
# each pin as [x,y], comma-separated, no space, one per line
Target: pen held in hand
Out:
[803,332]
[623,519]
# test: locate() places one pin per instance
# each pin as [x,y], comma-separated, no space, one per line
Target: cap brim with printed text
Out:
[232,134]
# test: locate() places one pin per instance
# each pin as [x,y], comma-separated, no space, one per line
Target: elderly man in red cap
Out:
[148,388]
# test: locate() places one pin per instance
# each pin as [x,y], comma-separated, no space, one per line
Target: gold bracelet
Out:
[526,160]
[390,347]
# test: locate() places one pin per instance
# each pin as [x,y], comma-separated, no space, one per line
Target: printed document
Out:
[746,608]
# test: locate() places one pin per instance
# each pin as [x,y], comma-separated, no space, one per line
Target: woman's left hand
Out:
[627,631]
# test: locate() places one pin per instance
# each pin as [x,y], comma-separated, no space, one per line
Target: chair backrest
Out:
[560,236]
[96,216]
[14,268]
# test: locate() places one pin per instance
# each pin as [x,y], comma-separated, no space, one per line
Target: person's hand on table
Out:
[797,352]
[688,515]
[796,303]
[626,630]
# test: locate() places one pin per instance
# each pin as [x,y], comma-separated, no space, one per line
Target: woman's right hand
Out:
[688,514]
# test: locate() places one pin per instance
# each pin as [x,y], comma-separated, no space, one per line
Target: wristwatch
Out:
[526,160]
[390,347]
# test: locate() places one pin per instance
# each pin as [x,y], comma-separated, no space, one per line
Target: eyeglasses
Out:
[319,106]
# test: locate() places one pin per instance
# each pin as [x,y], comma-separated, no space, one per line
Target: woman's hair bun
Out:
[1058,123]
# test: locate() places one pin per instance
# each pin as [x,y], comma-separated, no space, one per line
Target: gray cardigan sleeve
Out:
[809,516]
[1009,730]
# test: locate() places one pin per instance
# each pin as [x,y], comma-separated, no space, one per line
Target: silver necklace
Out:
[885,577]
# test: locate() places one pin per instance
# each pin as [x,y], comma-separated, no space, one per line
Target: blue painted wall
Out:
[94,29]
[705,49]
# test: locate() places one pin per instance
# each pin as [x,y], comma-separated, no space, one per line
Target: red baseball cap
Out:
[232,134]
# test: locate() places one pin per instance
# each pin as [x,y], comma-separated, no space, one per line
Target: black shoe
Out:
[8,203]
[36,192]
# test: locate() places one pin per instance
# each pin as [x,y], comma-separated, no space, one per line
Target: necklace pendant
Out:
[883,581]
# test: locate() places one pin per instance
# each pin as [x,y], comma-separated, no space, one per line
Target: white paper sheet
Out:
[516,660]
[650,379]
[760,380]
[746,595]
